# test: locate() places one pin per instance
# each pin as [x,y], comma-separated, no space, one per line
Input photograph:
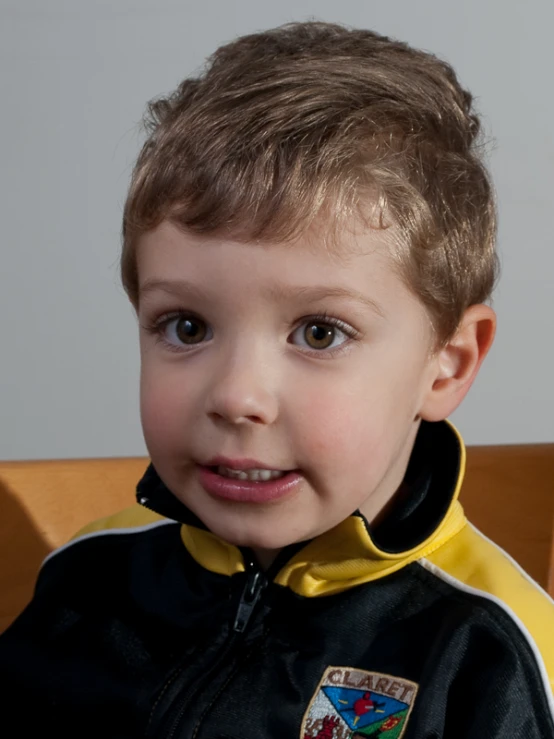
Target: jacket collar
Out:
[424,516]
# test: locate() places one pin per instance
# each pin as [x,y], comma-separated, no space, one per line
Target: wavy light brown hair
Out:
[317,119]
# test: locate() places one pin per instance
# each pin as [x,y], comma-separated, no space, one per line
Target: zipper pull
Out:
[253,588]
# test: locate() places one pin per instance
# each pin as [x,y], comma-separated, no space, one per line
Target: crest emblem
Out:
[352,704]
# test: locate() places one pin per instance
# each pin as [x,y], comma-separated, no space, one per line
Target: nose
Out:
[242,391]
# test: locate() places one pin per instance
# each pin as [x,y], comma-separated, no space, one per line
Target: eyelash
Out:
[326,319]
[157,328]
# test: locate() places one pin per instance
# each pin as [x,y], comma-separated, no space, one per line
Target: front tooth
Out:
[228,472]
[251,475]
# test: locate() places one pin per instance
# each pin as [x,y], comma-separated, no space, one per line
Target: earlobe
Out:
[458,362]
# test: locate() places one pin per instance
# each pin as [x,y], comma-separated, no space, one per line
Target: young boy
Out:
[308,242]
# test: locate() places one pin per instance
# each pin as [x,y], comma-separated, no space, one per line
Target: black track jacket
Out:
[148,625]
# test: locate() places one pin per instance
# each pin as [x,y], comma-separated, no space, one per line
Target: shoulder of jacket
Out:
[133,520]
[471,563]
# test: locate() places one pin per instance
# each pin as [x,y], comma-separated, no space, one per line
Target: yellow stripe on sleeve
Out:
[472,563]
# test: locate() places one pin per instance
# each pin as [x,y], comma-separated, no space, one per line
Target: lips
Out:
[240,490]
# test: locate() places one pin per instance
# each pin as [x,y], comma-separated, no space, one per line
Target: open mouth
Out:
[249,485]
[252,475]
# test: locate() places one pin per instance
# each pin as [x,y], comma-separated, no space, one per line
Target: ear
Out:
[456,365]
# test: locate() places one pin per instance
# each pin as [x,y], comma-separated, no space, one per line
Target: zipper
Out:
[251,593]
[250,596]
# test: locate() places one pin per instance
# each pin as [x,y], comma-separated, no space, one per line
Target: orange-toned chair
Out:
[508,493]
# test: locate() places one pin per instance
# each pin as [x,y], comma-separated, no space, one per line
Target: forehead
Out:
[168,247]
[358,264]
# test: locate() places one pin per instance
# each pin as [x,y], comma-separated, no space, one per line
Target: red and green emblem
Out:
[350,704]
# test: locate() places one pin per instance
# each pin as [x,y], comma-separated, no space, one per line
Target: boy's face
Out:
[242,358]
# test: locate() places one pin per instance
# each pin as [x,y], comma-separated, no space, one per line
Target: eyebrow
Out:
[282,292]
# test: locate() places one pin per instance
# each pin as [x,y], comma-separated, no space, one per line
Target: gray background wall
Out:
[74,78]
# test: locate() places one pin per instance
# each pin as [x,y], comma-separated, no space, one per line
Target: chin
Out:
[259,538]
[256,541]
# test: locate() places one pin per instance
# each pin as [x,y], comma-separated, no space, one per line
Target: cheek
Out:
[163,403]
[338,427]
[355,426]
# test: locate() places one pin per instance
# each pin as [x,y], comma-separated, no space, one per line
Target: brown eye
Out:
[319,335]
[190,330]
[322,334]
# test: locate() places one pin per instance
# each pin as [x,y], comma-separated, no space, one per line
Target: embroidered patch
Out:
[351,704]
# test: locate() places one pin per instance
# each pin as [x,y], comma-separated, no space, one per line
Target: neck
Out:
[265,557]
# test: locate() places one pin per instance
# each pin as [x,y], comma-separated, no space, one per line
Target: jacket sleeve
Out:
[503,684]
[507,699]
